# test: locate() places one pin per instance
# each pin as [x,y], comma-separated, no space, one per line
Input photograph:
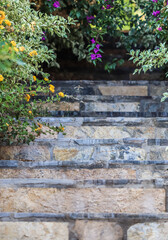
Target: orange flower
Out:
[61,94]
[13,43]
[30,112]
[7,22]
[34,78]
[46,79]
[27,97]
[16,49]
[52,88]
[2,16]
[21,49]
[33,53]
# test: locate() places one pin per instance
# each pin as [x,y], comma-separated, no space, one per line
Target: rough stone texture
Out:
[157,90]
[28,153]
[107,153]
[109,132]
[33,231]
[112,107]
[158,153]
[68,154]
[93,200]
[148,231]
[77,174]
[62,106]
[124,90]
[93,230]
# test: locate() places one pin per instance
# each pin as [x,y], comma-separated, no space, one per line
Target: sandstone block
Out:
[148,231]
[109,132]
[69,154]
[62,106]
[124,90]
[112,107]
[94,230]
[33,231]
[95,200]
[25,152]
[76,174]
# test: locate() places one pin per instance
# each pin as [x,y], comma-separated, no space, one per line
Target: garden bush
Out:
[22,51]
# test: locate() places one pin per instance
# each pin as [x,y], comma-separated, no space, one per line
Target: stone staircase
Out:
[106,179]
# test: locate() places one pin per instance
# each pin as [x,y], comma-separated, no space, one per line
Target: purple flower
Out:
[98,46]
[96,50]
[93,41]
[93,56]
[56,4]
[155,1]
[155,13]
[108,6]
[43,39]
[102,8]
[90,18]
[159,28]
[99,55]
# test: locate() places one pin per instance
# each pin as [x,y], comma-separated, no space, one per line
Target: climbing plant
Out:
[22,51]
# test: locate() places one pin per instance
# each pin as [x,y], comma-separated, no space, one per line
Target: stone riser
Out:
[54,199]
[82,227]
[89,150]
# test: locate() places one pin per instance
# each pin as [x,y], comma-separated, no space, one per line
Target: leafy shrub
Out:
[22,52]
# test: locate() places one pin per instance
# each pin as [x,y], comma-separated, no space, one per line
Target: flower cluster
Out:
[108,6]
[3,20]
[94,55]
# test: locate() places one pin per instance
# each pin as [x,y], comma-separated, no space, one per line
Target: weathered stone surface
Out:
[69,154]
[25,152]
[95,200]
[33,231]
[93,230]
[109,132]
[148,231]
[76,174]
[62,106]
[158,153]
[124,90]
[117,152]
[112,107]
[157,90]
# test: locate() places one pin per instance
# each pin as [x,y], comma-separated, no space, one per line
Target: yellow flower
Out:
[34,78]
[8,5]
[46,79]
[7,22]
[2,16]
[30,112]
[7,124]
[52,88]
[27,97]
[62,128]
[21,49]
[1,27]
[16,49]
[61,94]
[40,125]
[37,129]
[33,53]
[13,43]
[92,26]
[100,28]
[1,78]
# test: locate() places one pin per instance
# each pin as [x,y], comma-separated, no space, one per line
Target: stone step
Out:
[83,226]
[160,122]
[77,170]
[112,88]
[105,114]
[88,150]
